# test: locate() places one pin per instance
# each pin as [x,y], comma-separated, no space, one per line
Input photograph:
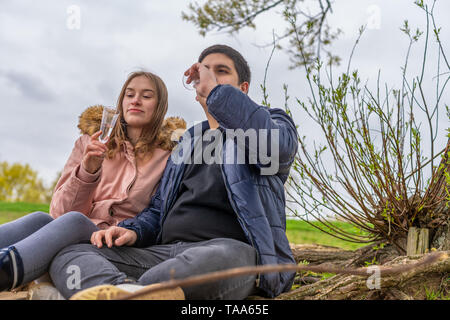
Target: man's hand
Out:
[206,80]
[114,236]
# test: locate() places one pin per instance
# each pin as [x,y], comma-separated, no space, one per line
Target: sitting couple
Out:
[103,237]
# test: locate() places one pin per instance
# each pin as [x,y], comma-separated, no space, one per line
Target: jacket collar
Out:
[90,119]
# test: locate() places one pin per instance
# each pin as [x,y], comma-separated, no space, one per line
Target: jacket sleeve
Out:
[233,109]
[147,223]
[74,190]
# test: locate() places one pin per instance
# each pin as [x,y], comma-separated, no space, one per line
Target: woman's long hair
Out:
[147,140]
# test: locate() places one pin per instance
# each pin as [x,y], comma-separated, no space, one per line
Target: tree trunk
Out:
[441,236]
[418,241]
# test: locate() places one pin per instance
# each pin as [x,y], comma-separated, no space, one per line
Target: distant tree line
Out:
[20,183]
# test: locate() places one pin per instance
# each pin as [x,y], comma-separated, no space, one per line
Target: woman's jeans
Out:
[38,237]
[81,266]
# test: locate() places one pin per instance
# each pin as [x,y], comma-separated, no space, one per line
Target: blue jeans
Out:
[156,264]
[38,238]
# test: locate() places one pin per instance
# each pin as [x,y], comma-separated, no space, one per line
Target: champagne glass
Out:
[109,119]
[190,86]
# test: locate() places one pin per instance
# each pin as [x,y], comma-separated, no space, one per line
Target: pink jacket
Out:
[118,190]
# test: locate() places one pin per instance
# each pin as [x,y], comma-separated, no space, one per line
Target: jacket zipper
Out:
[249,235]
[164,208]
[233,204]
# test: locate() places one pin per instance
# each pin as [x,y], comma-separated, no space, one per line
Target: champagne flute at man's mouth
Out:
[192,85]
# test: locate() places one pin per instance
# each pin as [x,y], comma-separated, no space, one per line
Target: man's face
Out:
[224,70]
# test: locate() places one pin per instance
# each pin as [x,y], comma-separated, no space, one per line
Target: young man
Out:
[206,215]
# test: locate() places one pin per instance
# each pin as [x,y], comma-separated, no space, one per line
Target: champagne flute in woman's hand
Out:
[109,119]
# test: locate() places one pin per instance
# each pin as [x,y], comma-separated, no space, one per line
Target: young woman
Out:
[101,184]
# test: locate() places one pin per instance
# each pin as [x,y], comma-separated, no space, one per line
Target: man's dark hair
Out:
[241,65]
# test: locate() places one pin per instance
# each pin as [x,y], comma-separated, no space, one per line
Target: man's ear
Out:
[244,87]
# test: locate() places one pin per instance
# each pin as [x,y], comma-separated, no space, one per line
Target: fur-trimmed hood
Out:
[171,130]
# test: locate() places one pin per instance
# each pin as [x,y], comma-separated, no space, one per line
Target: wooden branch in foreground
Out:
[235,272]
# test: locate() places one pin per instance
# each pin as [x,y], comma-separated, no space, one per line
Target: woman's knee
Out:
[75,215]
[77,220]
[40,218]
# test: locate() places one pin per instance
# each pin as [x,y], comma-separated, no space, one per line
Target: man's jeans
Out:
[38,238]
[82,266]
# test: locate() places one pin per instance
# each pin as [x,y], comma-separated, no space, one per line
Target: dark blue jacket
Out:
[258,200]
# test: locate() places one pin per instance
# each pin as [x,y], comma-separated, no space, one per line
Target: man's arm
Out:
[233,109]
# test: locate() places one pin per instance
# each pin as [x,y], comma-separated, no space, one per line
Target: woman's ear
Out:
[244,87]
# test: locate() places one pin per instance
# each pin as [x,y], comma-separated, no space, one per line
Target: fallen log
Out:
[318,254]
[415,283]
[315,254]
[395,271]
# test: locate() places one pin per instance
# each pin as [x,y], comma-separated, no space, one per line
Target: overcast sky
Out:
[51,70]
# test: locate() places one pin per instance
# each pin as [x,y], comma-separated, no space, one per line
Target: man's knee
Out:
[76,249]
[68,254]
[238,251]
[227,253]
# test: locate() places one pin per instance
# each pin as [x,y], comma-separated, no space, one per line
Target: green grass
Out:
[297,231]
[10,211]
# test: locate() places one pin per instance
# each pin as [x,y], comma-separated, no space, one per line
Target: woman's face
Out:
[139,102]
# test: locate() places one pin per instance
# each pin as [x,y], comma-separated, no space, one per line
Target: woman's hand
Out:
[94,154]
[117,236]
